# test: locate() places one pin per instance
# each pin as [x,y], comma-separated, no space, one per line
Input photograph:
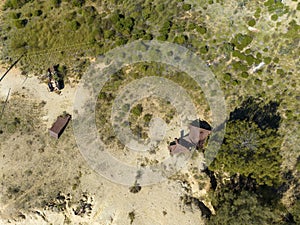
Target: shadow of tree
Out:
[253,109]
[201,124]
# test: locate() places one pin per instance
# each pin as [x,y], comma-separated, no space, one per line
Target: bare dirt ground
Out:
[36,168]
[35,89]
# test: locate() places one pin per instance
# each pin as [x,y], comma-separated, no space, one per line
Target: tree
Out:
[251,152]
[243,208]
[251,145]
[295,210]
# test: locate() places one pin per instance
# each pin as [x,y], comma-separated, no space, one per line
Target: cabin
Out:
[59,126]
[199,133]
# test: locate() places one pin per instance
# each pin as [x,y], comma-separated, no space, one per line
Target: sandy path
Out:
[33,88]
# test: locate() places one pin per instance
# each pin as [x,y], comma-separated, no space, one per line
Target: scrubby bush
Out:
[274,17]
[252,22]
[244,75]
[15,4]
[20,23]
[78,3]
[201,29]
[227,77]
[180,39]
[137,110]
[15,15]
[74,25]
[37,12]
[186,7]
[204,49]
[147,118]
[242,40]
[56,3]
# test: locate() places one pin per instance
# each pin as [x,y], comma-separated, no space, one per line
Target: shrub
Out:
[147,118]
[20,23]
[137,110]
[74,25]
[228,47]
[15,4]
[128,23]
[242,40]
[163,37]
[204,49]
[78,3]
[252,22]
[227,77]
[186,7]
[244,75]
[38,12]
[258,82]
[15,15]
[160,7]
[276,60]
[166,28]
[257,13]
[148,37]
[181,39]
[238,65]
[56,3]
[235,82]
[270,82]
[274,17]
[238,54]
[201,29]
[267,60]
[121,41]
[109,34]
[131,216]
[250,59]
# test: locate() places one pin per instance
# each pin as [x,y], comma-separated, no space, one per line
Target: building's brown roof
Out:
[60,124]
[177,149]
[199,132]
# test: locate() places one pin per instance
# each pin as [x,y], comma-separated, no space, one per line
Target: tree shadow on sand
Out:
[253,109]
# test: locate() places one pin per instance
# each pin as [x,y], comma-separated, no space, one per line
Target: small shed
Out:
[58,127]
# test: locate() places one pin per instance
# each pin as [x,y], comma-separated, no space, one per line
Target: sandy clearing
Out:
[112,202]
[33,88]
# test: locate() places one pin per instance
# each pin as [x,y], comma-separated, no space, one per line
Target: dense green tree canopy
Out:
[244,208]
[250,151]
[252,143]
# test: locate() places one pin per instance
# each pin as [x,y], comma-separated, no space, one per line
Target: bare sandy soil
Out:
[36,168]
[35,89]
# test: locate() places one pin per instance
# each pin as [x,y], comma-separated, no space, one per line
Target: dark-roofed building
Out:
[58,127]
[180,146]
[199,132]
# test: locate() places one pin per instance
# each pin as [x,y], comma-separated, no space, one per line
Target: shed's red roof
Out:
[60,124]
